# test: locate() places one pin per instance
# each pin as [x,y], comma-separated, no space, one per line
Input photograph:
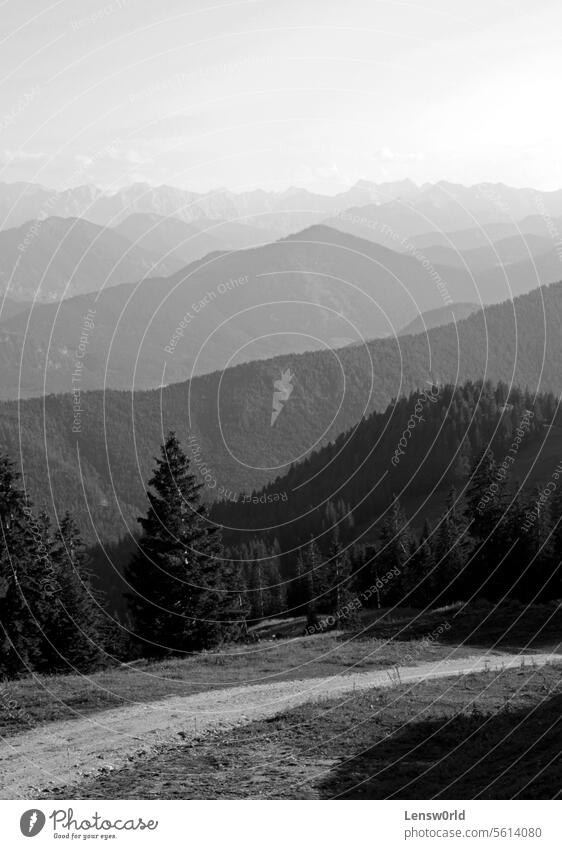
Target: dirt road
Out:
[65,753]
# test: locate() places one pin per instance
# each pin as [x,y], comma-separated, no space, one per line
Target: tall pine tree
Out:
[181,594]
[20,638]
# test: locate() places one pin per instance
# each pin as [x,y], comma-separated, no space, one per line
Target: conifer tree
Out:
[179,596]
[258,602]
[339,595]
[535,542]
[19,640]
[77,627]
[266,592]
[46,607]
[418,577]
[365,567]
[312,561]
[235,605]
[278,590]
[483,494]
[297,588]
[485,509]
[396,548]
[552,583]
[452,549]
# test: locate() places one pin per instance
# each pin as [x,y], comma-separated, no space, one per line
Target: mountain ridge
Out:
[46,260]
[227,414]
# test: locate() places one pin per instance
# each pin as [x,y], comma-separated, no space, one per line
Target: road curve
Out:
[65,753]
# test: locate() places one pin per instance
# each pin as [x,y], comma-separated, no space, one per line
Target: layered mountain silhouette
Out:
[9,308]
[419,209]
[439,317]
[437,210]
[319,289]
[229,412]
[286,210]
[187,241]
[58,257]
[504,252]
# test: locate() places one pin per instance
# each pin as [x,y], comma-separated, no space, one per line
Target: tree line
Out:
[119,437]
[194,584]
[50,615]
[491,538]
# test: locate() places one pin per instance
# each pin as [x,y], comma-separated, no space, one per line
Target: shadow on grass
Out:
[506,626]
[509,625]
[503,755]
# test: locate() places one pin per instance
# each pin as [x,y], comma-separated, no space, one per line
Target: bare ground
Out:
[67,753]
[490,735]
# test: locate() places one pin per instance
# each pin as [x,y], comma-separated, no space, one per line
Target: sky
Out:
[276,93]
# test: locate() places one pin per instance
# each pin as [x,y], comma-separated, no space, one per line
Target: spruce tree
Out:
[419,577]
[45,605]
[178,594]
[43,593]
[256,587]
[365,566]
[77,624]
[485,507]
[235,607]
[265,588]
[19,638]
[339,596]
[553,579]
[395,553]
[483,494]
[312,569]
[452,548]
[278,589]
[297,587]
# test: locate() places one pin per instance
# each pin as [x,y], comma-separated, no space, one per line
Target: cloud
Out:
[386,154]
[21,156]
[82,160]
[136,158]
[115,152]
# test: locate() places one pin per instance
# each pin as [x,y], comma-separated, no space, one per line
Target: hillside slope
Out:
[438,317]
[229,413]
[391,454]
[319,289]
[57,257]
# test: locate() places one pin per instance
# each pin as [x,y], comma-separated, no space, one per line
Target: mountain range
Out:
[318,289]
[225,417]
[218,315]
[443,205]
[58,257]
[275,212]
[80,240]
[9,308]
[187,241]
[438,317]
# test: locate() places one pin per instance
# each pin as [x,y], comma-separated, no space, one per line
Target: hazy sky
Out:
[273,93]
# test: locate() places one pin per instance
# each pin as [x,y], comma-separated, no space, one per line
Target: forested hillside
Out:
[415,450]
[451,493]
[96,460]
[445,480]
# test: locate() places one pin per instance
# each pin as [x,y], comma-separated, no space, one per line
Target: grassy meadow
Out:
[386,638]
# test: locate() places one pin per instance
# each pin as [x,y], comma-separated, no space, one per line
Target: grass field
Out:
[491,736]
[387,638]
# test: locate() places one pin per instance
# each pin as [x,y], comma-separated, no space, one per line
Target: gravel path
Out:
[65,753]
